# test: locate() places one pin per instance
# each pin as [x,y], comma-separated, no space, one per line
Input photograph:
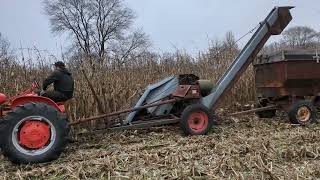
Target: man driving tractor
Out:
[62,81]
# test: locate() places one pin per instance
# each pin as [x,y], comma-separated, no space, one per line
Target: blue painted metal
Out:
[156,92]
[274,24]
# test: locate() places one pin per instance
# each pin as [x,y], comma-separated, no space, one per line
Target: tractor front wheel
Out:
[34,133]
[196,119]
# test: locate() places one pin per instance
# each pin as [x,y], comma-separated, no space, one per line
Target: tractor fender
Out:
[36,99]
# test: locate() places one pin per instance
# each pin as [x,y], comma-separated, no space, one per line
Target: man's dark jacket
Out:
[63,82]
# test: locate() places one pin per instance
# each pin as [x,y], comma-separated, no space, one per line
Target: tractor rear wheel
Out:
[34,133]
[196,119]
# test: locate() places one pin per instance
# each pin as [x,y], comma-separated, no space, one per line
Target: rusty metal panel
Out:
[303,70]
[288,55]
[270,75]
[187,91]
[290,75]
[279,92]
[194,92]
[181,90]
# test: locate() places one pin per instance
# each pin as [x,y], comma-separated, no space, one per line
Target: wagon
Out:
[288,80]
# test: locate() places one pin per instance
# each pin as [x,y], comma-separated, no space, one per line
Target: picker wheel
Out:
[302,112]
[34,133]
[196,120]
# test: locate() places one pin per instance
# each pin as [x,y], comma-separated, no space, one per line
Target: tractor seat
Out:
[3,98]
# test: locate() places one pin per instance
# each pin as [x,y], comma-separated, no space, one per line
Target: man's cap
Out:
[59,64]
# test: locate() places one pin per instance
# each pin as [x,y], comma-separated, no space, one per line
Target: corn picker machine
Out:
[34,129]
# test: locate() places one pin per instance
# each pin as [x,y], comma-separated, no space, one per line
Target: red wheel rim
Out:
[198,121]
[34,134]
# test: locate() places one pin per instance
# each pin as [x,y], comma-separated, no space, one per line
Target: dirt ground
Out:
[237,148]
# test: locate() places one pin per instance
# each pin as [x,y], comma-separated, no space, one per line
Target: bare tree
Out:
[129,48]
[95,25]
[4,48]
[300,37]
[230,41]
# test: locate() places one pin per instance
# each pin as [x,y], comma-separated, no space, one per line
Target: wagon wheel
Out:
[302,112]
[196,119]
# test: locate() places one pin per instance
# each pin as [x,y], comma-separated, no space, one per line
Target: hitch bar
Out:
[123,111]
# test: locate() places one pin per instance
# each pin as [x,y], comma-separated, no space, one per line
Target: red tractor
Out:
[33,129]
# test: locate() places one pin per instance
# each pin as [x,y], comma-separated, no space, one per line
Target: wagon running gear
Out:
[62,81]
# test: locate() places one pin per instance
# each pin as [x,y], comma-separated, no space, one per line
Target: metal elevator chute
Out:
[274,24]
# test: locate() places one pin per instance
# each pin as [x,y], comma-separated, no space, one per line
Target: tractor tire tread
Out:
[56,118]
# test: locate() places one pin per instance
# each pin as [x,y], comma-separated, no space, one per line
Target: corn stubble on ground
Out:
[237,148]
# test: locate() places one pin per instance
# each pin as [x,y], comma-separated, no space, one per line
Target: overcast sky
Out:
[182,24]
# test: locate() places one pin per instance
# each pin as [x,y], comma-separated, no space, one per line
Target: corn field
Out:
[117,87]
[236,148]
